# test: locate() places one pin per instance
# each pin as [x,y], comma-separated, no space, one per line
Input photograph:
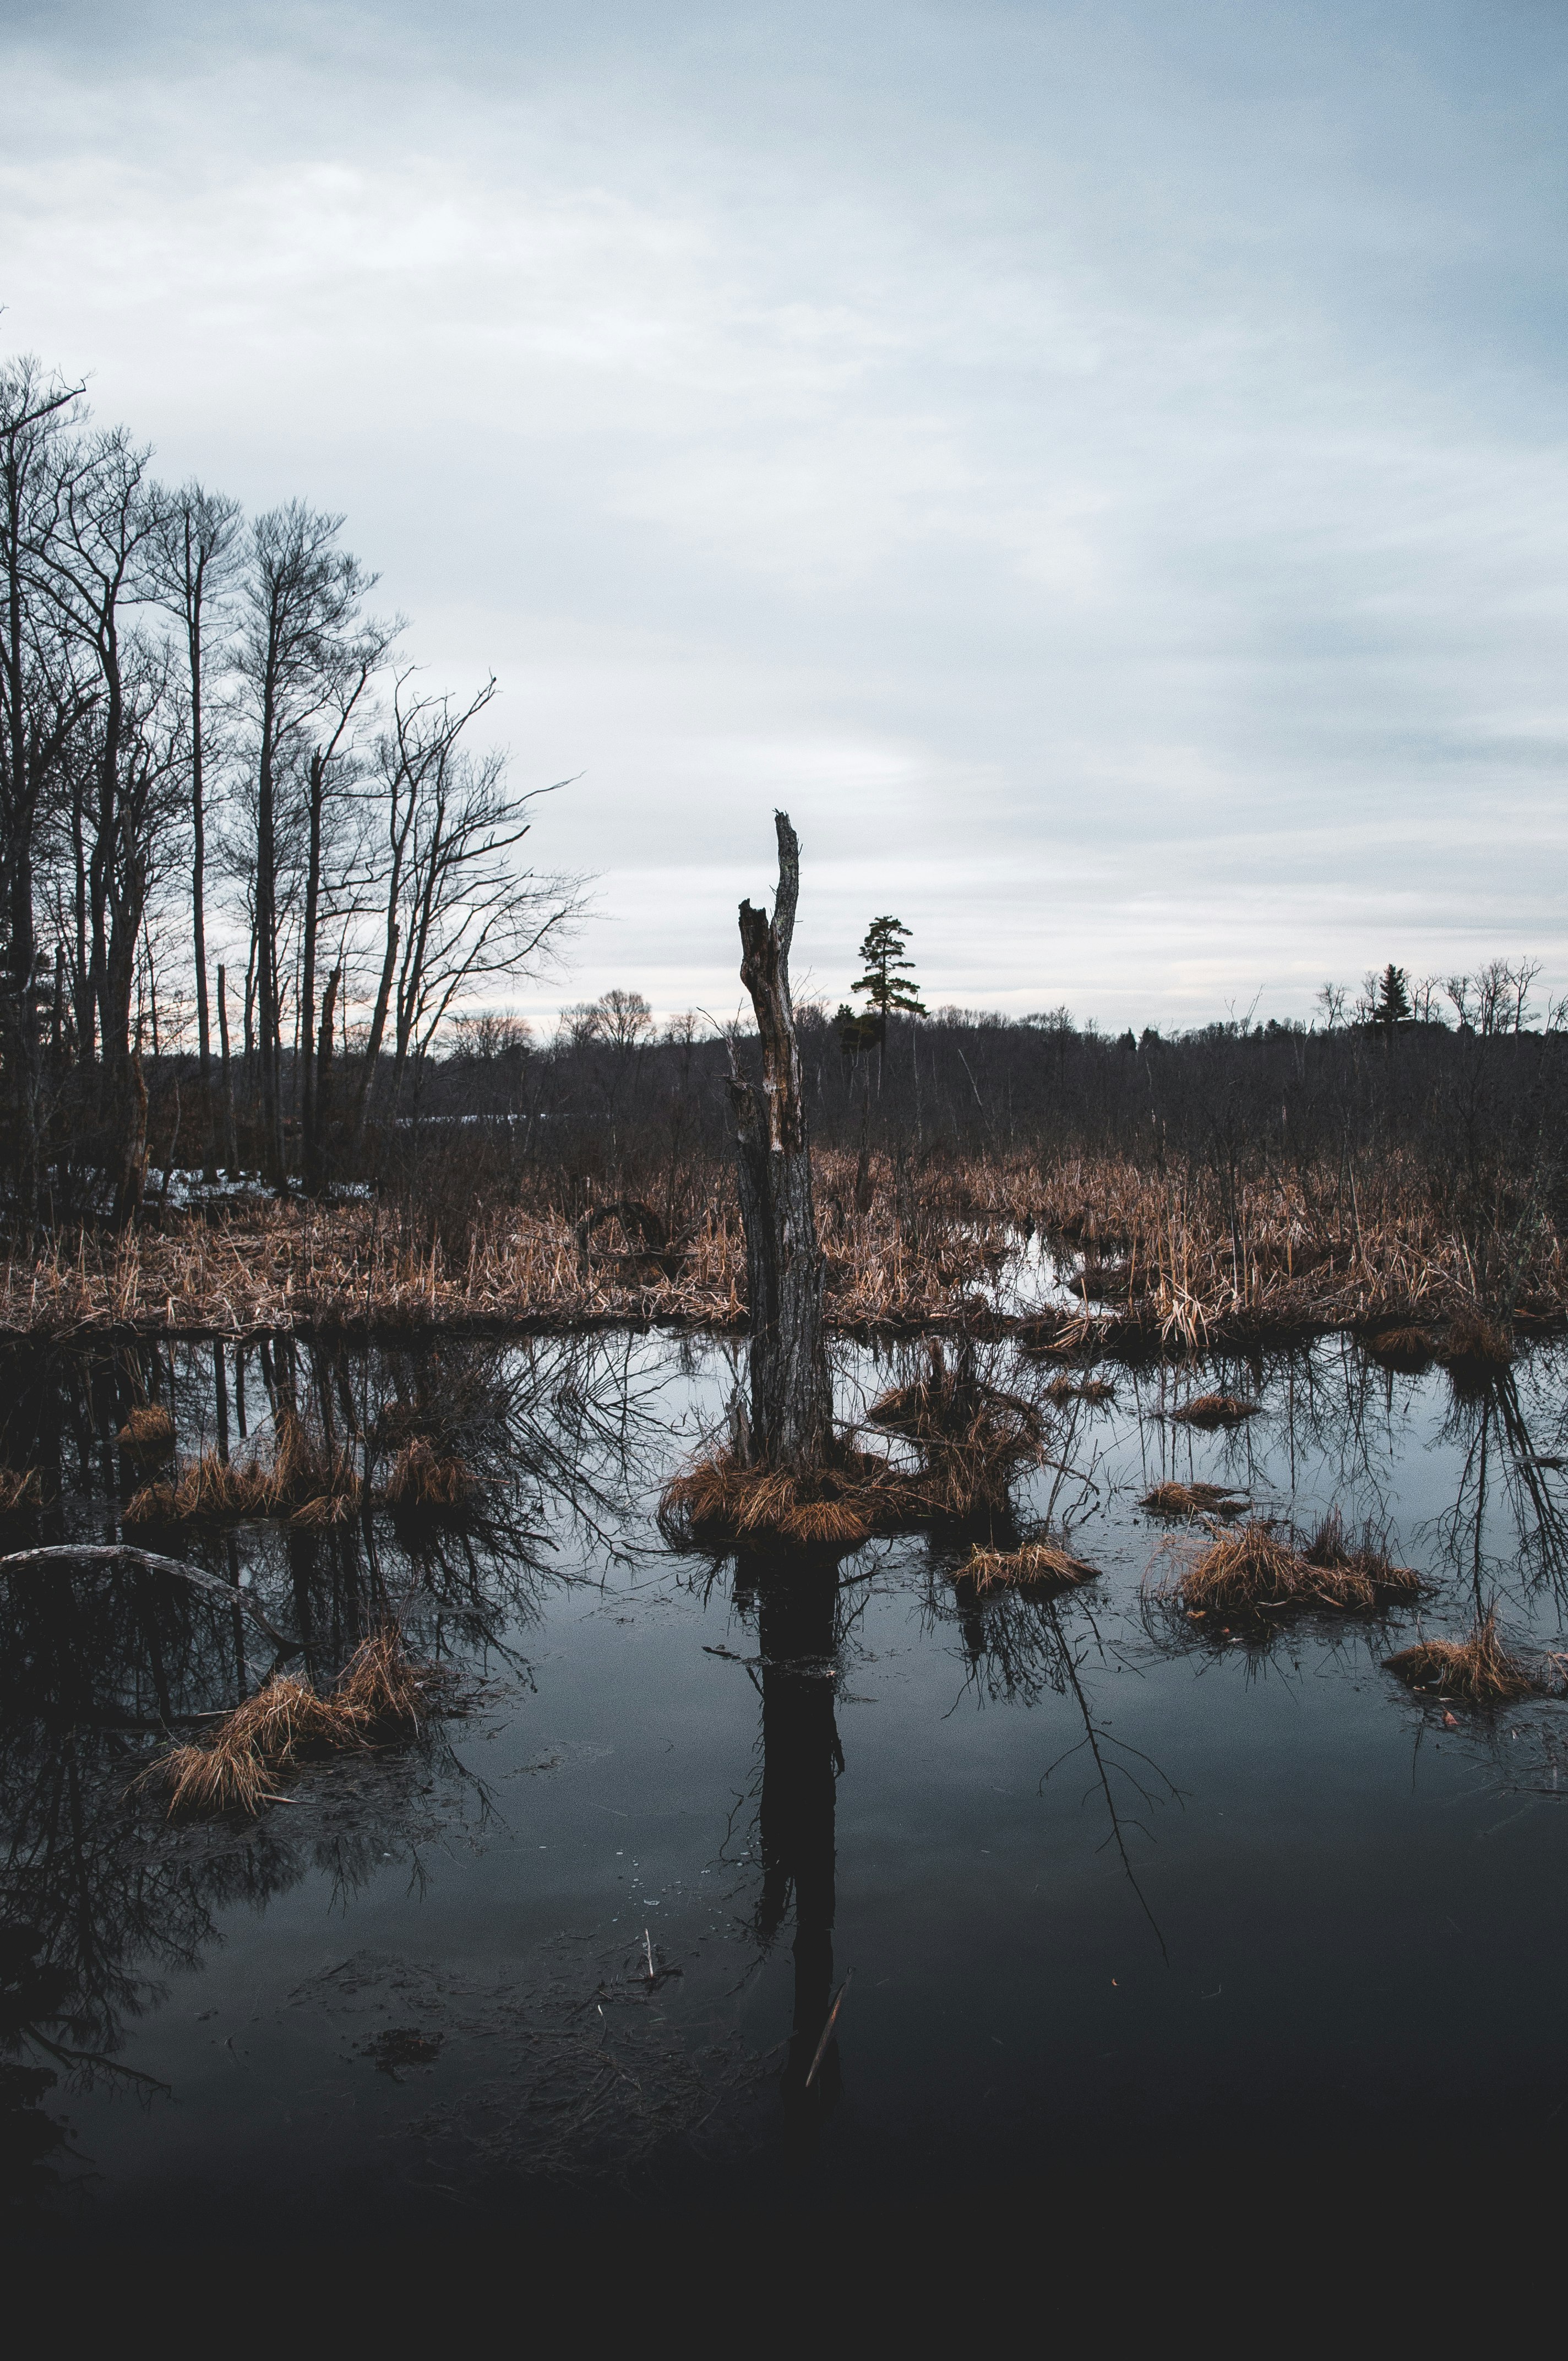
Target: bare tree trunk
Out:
[133,1169]
[229,1141]
[792,1386]
[377,1027]
[321,1093]
[305,1057]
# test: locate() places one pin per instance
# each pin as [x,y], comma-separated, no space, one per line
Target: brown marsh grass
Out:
[379,1696]
[1039,1566]
[1479,1669]
[1406,1350]
[972,1436]
[1211,1410]
[305,1480]
[838,1506]
[1174,1499]
[1254,1570]
[1475,1345]
[1288,1252]
[149,1431]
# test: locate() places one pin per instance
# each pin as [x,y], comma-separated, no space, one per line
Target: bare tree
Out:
[791,1422]
[301,603]
[191,566]
[457,910]
[41,701]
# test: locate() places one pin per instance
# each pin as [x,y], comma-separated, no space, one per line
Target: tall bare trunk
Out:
[230,1141]
[792,1386]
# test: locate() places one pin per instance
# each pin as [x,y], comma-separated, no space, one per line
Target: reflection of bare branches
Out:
[97,1668]
[1503,1469]
[1106,1749]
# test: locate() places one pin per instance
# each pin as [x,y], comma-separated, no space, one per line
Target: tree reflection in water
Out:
[100,1899]
[798,1605]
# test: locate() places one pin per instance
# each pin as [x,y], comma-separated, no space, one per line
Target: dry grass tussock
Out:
[1405,1349]
[149,1431]
[1211,1410]
[972,1437]
[838,1506]
[1254,1570]
[1038,1567]
[304,1479]
[1475,1344]
[1197,1260]
[380,1695]
[968,1437]
[1194,1500]
[422,1478]
[1479,1669]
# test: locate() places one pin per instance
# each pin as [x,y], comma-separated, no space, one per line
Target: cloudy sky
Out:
[1102,468]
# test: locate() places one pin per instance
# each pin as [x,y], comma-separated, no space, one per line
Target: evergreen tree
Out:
[1392,1004]
[884,982]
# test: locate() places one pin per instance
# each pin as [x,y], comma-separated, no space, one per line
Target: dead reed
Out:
[380,1694]
[1211,1410]
[20,1488]
[1278,1254]
[1194,1500]
[1479,1669]
[1037,1568]
[1254,1571]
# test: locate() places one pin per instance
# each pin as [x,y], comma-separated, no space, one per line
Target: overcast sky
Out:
[1102,469]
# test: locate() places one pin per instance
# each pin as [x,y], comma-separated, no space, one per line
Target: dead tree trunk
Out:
[792,1387]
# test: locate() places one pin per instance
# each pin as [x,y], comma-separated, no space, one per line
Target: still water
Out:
[1083,1882]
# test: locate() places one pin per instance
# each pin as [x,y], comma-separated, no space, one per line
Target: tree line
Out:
[208,740]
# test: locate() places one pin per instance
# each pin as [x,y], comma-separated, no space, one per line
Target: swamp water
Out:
[1110,1885]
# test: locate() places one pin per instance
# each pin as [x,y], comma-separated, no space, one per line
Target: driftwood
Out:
[119,1553]
[790,1420]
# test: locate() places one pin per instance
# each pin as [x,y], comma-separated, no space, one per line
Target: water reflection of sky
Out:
[1164,1891]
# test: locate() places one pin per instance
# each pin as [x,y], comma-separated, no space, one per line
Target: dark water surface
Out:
[1106,1889]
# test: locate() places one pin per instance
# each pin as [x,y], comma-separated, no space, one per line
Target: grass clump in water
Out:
[1254,1571]
[307,1481]
[1216,1410]
[380,1694]
[1475,1347]
[1194,1500]
[1064,1389]
[1406,1350]
[838,1505]
[149,1431]
[1479,1669]
[1039,1567]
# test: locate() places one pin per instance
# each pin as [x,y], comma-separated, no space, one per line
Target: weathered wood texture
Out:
[790,1420]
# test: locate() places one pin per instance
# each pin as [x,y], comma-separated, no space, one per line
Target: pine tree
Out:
[1392,1004]
[884,982]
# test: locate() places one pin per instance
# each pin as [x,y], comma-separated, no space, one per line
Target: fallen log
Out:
[120,1553]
